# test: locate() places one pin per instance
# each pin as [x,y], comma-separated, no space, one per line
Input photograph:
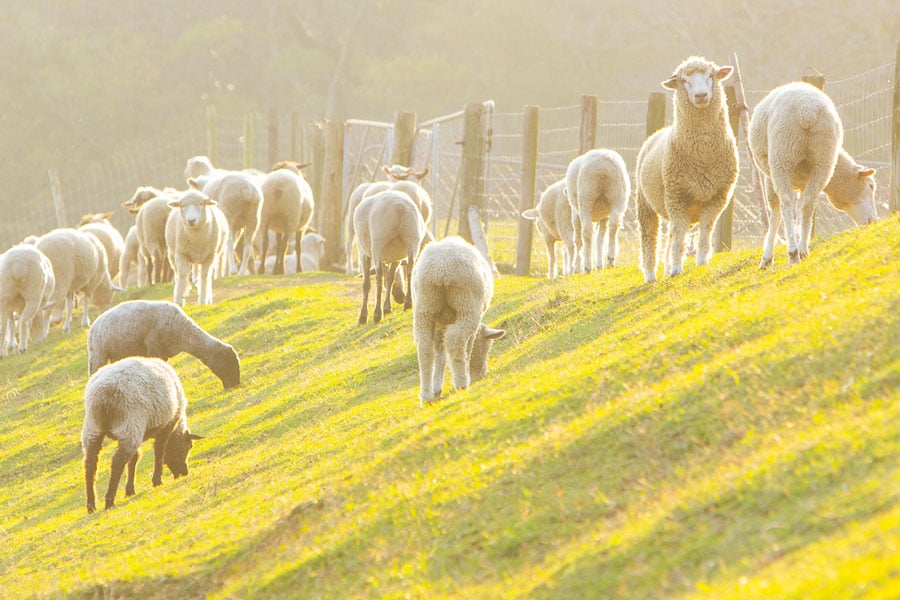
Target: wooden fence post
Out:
[272,137]
[330,204]
[895,143]
[212,135]
[656,112]
[404,134]
[757,179]
[527,187]
[725,224]
[471,166]
[248,141]
[296,138]
[315,133]
[590,105]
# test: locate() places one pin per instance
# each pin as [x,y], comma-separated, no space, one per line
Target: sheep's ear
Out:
[128,204]
[302,166]
[193,183]
[421,174]
[194,436]
[116,288]
[865,171]
[494,334]
[174,203]
[385,169]
[49,305]
[530,214]
[671,83]
[209,202]
[106,215]
[724,72]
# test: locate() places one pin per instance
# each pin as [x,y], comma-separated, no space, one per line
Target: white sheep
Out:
[553,217]
[795,137]
[195,235]
[98,225]
[389,229]
[133,400]
[79,266]
[687,172]
[313,256]
[453,286]
[240,197]
[356,196]
[131,258]
[287,210]
[26,289]
[159,329]
[200,166]
[598,188]
[151,209]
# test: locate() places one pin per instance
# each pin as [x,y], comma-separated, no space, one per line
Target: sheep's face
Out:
[227,366]
[699,81]
[863,211]
[193,206]
[484,339]
[177,448]
[140,197]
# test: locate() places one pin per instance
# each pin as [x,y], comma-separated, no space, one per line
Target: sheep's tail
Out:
[808,114]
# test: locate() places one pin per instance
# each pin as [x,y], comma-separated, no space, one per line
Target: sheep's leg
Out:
[407,271]
[785,190]
[599,233]
[85,319]
[25,319]
[550,243]
[6,326]
[367,284]
[678,230]
[265,246]
[280,248]
[577,264]
[298,246]
[424,329]
[389,286]
[123,454]
[704,234]
[91,453]
[379,280]
[182,275]
[132,468]
[229,251]
[204,291]
[159,454]
[70,307]
[440,362]
[808,200]
[649,225]
[612,239]
[397,288]
[457,343]
[587,239]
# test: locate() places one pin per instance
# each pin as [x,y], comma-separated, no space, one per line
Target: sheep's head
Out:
[177,448]
[193,206]
[196,166]
[401,173]
[290,165]
[863,210]
[484,339]
[95,218]
[224,362]
[699,79]
[141,196]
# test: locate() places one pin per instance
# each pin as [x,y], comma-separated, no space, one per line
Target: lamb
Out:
[687,172]
[158,329]
[240,197]
[151,207]
[131,401]
[131,256]
[195,235]
[79,266]
[598,188]
[553,216]
[26,288]
[389,228]
[795,137]
[98,225]
[287,209]
[357,196]
[453,286]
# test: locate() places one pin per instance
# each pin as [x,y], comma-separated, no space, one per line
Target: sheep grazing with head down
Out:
[132,401]
[26,288]
[390,229]
[687,172]
[796,136]
[553,217]
[159,329]
[453,286]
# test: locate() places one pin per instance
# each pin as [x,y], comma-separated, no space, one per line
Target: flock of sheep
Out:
[222,223]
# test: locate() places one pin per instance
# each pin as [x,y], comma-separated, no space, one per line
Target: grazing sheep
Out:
[553,216]
[453,286]
[132,401]
[159,329]
[98,225]
[359,193]
[598,188]
[131,256]
[686,172]
[151,207]
[195,235]
[796,136]
[390,228]
[287,210]
[240,197]
[79,266]
[26,288]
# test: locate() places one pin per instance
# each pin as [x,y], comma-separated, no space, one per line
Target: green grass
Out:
[730,433]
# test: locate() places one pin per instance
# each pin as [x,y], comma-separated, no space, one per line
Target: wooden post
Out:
[725,224]
[248,141]
[272,137]
[471,166]
[296,138]
[315,134]
[756,178]
[329,205]
[590,105]
[58,205]
[656,112]
[895,143]
[527,187]
[404,134]
[212,135]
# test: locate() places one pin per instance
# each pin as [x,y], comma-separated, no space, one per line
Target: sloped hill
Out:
[729,433]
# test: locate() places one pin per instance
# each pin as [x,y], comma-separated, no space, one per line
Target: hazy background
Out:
[81,78]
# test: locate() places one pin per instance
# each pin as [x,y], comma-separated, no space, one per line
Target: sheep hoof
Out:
[91,509]
[610,262]
[362,319]
[794,257]
[129,493]
[765,263]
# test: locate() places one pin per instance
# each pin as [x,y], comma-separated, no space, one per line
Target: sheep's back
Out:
[451,273]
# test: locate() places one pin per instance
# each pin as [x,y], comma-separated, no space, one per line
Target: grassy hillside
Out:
[728,434]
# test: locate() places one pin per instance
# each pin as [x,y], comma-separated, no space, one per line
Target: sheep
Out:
[553,216]
[195,235]
[131,401]
[453,286]
[686,172]
[240,197]
[79,266]
[357,196]
[26,288]
[313,256]
[98,225]
[200,166]
[598,188]
[795,138]
[160,329]
[131,255]
[390,228]
[287,209]
[151,209]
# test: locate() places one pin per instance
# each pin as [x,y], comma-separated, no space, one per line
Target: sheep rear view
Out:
[240,197]
[453,285]
[553,217]
[132,401]
[287,209]
[26,288]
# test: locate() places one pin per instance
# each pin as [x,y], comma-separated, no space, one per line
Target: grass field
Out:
[729,433]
